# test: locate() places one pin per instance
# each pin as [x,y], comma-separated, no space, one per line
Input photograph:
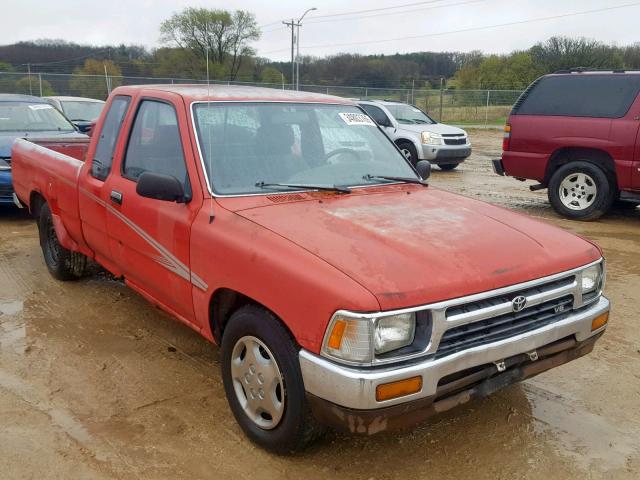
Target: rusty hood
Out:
[411,245]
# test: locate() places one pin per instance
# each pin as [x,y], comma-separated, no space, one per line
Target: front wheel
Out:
[263,382]
[448,166]
[409,151]
[581,191]
[63,264]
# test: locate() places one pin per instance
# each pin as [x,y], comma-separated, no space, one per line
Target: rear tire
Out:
[257,352]
[581,191]
[63,264]
[409,151]
[448,166]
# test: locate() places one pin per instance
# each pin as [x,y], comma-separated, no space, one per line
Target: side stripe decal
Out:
[166,258]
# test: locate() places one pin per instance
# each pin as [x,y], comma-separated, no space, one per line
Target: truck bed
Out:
[50,167]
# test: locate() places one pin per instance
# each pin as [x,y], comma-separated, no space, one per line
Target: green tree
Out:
[559,53]
[271,75]
[31,86]
[225,35]
[91,80]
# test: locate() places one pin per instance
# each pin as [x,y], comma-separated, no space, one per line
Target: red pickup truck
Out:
[576,132]
[287,228]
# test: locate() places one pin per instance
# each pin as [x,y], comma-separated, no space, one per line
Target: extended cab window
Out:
[581,95]
[103,158]
[154,144]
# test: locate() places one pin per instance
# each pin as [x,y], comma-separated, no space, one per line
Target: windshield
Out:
[32,117]
[243,144]
[82,111]
[409,115]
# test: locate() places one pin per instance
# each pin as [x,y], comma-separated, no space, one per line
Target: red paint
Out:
[303,258]
[535,139]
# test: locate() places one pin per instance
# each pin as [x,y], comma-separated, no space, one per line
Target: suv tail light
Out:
[507,137]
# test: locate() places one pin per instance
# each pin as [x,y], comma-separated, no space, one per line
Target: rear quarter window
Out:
[581,95]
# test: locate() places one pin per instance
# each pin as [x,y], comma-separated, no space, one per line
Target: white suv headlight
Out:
[359,339]
[4,165]
[592,278]
[430,138]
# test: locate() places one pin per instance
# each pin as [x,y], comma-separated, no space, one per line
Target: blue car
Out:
[24,116]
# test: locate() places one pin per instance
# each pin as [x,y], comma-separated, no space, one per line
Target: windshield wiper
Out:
[304,186]
[417,181]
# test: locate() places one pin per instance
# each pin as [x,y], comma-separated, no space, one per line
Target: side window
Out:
[103,158]
[154,143]
[377,114]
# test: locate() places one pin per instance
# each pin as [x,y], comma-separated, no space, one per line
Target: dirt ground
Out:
[96,383]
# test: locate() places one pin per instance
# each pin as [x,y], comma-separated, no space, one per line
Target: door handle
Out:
[116,197]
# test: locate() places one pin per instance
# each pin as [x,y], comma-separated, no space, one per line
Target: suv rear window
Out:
[581,95]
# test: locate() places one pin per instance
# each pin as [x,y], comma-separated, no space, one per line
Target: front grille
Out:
[455,141]
[505,325]
[6,190]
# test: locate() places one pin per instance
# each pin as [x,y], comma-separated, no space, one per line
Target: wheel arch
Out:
[222,305]
[598,157]
[36,201]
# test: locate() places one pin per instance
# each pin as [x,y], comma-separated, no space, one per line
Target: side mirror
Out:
[385,123]
[424,169]
[160,187]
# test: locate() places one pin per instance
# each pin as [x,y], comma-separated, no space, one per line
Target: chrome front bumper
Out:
[355,388]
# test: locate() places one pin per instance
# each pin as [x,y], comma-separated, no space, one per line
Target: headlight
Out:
[592,278]
[394,332]
[4,165]
[429,138]
[359,339]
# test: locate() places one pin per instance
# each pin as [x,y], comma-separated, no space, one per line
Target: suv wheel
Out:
[581,191]
[448,166]
[263,382]
[409,151]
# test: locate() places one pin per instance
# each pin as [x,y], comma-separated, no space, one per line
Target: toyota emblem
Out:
[519,303]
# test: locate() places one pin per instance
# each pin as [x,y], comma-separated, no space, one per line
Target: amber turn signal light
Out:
[388,391]
[335,339]
[599,321]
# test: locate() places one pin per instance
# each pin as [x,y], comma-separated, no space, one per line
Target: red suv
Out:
[576,132]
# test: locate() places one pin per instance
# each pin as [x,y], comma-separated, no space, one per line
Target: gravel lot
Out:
[96,383]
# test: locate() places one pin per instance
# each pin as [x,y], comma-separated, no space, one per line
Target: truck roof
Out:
[214,92]
[16,97]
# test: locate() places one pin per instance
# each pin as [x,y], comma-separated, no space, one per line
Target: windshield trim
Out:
[275,192]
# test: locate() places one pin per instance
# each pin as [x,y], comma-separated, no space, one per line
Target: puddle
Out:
[590,440]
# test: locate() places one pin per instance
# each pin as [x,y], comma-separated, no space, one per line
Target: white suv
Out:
[418,135]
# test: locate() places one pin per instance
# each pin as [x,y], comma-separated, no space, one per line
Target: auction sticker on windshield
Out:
[356,119]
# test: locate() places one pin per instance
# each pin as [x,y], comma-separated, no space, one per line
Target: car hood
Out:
[414,245]
[440,128]
[7,138]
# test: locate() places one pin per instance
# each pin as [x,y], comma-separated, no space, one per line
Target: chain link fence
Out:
[463,107]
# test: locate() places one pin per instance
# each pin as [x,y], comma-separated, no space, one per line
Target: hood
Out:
[433,128]
[7,138]
[414,245]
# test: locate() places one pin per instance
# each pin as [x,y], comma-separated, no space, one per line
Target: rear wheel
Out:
[581,191]
[448,166]
[63,264]
[409,151]
[263,382]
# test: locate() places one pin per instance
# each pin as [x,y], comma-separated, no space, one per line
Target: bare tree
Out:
[225,34]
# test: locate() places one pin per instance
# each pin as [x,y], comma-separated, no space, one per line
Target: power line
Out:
[70,59]
[387,14]
[470,29]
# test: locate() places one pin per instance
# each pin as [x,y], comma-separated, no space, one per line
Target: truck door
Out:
[93,185]
[150,238]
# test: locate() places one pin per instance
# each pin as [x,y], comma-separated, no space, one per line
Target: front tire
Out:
[408,149]
[448,166]
[581,191]
[63,264]
[263,382]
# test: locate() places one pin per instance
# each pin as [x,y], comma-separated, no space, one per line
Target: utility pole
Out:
[29,70]
[293,41]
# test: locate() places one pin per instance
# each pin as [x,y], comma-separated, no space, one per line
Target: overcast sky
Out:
[326,31]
